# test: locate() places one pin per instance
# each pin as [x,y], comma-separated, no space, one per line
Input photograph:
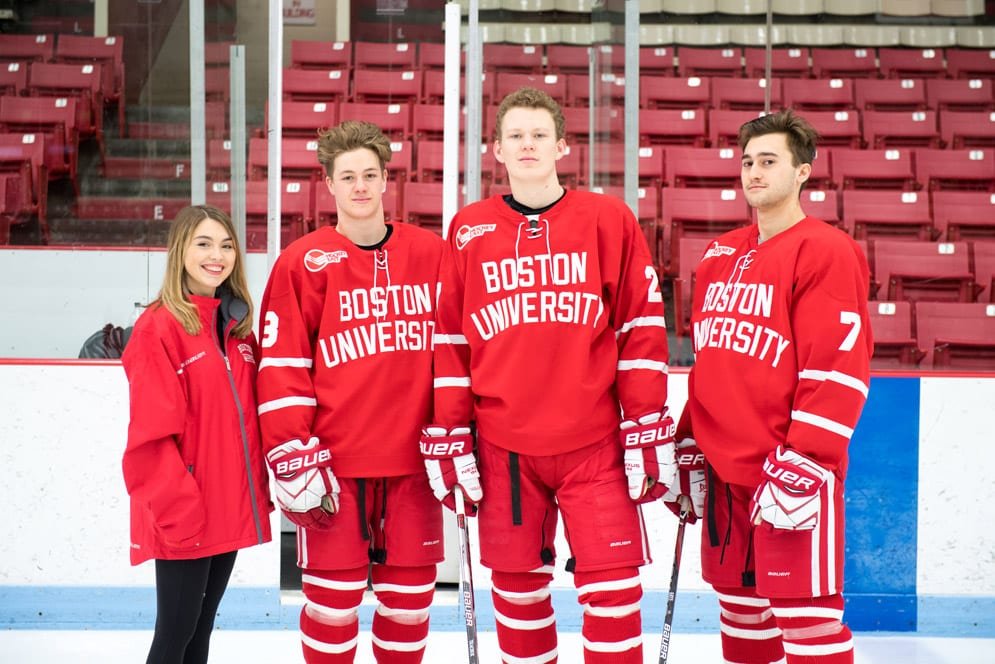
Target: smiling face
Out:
[769,178]
[209,258]
[528,146]
[358,184]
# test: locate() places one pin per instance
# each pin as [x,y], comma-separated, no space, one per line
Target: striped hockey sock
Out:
[813,631]
[612,628]
[749,633]
[523,610]
[400,624]
[329,619]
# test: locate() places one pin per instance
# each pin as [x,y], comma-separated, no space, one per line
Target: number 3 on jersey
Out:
[654,290]
[271,328]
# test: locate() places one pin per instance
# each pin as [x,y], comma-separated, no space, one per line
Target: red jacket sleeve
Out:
[834,345]
[154,471]
[640,326]
[453,398]
[287,401]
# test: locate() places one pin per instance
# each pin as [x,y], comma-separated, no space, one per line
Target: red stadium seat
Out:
[956,335]
[298,159]
[702,167]
[393,119]
[428,122]
[55,117]
[784,62]
[960,94]
[821,176]
[910,62]
[432,56]
[670,127]
[553,85]
[819,94]
[218,159]
[960,129]
[972,168]
[821,204]
[305,119]
[836,127]
[108,52]
[383,55]
[609,89]
[723,126]
[296,205]
[648,213]
[868,213]
[218,54]
[431,162]
[894,344]
[907,94]
[873,169]
[656,61]
[959,215]
[13,78]
[983,252]
[611,164]
[671,92]
[525,59]
[25,183]
[970,62]
[689,253]
[569,59]
[36,48]
[386,87]
[324,55]
[745,94]
[915,271]
[887,129]
[422,203]
[694,61]
[434,87]
[843,62]
[699,213]
[314,85]
[73,80]
[217,84]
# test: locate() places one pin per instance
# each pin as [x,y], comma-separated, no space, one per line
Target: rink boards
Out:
[920,498]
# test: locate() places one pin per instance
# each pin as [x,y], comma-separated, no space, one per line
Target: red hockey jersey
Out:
[548,326]
[347,348]
[193,465]
[782,348]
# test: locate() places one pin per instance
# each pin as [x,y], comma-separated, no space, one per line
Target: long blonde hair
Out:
[173,293]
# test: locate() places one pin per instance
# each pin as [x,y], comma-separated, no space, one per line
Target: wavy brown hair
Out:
[173,294]
[530,98]
[352,135]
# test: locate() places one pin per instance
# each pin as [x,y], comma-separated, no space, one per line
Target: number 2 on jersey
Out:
[654,294]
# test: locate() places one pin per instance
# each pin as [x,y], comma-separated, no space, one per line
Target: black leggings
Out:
[187,596]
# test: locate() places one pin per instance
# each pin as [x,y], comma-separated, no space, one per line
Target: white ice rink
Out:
[283,647]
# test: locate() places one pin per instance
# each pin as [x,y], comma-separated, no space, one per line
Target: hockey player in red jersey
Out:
[345,385]
[782,349]
[550,323]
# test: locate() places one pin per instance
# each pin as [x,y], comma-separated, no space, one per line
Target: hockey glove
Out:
[650,465]
[690,480]
[306,488]
[450,465]
[793,491]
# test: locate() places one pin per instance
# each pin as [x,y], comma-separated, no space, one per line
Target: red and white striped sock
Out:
[400,624]
[329,619]
[612,627]
[749,633]
[523,611]
[813,630]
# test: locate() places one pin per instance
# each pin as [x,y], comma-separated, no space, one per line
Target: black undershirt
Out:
[381,243]
[524,209]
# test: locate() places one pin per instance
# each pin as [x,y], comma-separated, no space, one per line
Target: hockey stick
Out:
[466,578]
[668,618]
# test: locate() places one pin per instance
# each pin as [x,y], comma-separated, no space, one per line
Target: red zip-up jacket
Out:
[194,466]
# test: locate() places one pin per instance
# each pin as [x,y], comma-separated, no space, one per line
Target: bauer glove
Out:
[793,492]
[650,465]
[690,481]
[306,488]
[450,465]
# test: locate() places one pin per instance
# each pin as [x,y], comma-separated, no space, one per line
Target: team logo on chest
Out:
[466,233]
[315,260]
[246,351]
[718,250]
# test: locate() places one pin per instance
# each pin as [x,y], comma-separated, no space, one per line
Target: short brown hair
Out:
[352,135]
[530,98]
[801,135]
[173,293]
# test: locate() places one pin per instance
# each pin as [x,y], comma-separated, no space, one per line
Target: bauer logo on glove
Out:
[306,488]
[793,491]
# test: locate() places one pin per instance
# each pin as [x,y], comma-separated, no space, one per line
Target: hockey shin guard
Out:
[523,611]
[329,619]
[813,631]
[400,624]
[748,630]
[612,630]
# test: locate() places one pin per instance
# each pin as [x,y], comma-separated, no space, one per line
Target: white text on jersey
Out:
[381,301]
[740,336]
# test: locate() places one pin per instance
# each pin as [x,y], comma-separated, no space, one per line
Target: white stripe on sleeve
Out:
[829,425]
[835,377]
[643,321]
[287,402]
[451,381]
[302,362]
[628,365]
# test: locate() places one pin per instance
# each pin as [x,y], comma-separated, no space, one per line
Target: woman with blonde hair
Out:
[193,465]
